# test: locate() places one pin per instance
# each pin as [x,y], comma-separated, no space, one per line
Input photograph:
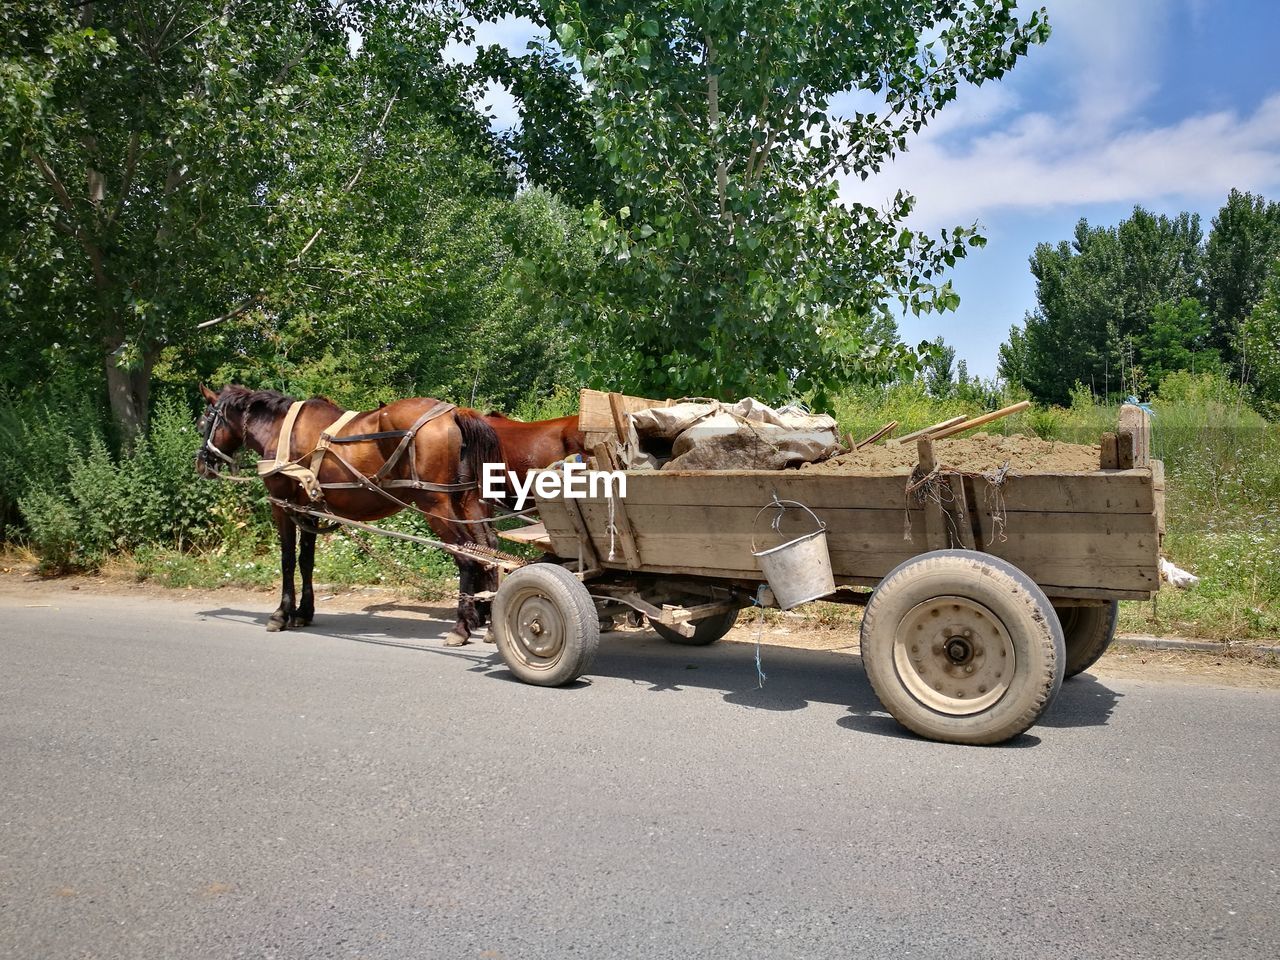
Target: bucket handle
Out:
[781,508]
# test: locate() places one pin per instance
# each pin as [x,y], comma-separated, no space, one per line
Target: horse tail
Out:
[479,443]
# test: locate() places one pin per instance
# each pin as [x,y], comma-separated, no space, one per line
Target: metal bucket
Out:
[799,570]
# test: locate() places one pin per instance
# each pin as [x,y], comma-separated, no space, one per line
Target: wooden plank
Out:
[626,533]
[929,497]
[573,508]
[980,421]
[1110,455]
[595,414]
[606,458]
[618,411]
[884,431]
[535,534]
[1157,489]
[1134,437]
[925,431]
[962,529]
[1120,491]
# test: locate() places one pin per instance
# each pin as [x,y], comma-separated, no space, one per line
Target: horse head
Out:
[221,431]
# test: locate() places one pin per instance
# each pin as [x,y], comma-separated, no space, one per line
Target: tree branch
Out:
[126,177]
[51,178]
[240,308]
[248,302]
[350,184]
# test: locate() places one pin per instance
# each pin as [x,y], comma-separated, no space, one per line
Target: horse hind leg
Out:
[440,513]
[468,617]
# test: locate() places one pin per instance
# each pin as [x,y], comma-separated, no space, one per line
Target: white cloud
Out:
[1040,163]
[1096,146]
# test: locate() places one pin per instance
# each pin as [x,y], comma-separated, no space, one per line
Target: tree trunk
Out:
[129,391]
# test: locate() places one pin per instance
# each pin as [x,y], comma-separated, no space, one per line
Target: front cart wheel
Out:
[706,630]
[962,647]
[546,625]
[1087,632]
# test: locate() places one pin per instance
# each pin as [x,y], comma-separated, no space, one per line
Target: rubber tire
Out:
[575,608]
[1010,595]
[1087,632]
[706,630]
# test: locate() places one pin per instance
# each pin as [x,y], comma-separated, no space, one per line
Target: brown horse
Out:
[422,452]
[537,444]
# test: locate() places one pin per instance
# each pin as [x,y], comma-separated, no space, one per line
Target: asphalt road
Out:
[177,783]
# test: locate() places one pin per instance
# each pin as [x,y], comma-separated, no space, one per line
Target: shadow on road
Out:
[794,678]
[422,628]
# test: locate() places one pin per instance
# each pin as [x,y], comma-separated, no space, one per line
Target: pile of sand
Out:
[980,453]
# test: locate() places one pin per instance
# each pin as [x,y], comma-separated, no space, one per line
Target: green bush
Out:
[39,439]
[97,503]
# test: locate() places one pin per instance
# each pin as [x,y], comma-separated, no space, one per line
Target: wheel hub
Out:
[539,629]
[954,655]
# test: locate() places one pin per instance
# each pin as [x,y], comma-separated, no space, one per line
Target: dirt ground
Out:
[981,453]
[1231,667]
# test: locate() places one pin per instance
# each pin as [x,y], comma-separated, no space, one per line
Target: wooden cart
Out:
[985,590]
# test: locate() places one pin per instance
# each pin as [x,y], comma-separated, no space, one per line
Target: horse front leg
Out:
[306,563]
[288,531]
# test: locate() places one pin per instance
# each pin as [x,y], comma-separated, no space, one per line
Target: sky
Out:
[1166,104]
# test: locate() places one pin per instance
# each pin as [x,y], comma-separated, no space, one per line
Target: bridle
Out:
[209,450]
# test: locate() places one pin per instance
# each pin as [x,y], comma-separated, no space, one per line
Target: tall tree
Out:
[725,262]
[939,369]
[1244,242]
[153,156]
[1096,298]
[1177,338]
[1260,344]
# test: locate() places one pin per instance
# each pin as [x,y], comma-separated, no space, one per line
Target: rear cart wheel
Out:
[546,625]
[962,647]
[706,630]
[1087,632]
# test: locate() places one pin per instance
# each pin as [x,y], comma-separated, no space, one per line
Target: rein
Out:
[233,466]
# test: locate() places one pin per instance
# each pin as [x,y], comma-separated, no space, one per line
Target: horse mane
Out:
[260,404]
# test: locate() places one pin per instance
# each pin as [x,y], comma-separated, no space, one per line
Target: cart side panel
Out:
[1090,534]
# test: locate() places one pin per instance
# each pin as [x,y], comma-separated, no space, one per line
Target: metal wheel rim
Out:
[537,630]
[954,655]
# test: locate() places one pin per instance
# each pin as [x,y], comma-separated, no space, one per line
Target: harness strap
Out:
[283,464]
[360,437]
[438,410]
[326,437]
[309,475]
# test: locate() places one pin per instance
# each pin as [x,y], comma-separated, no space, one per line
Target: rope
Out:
[930,488]
[613,532]
[758,602]
[993,496]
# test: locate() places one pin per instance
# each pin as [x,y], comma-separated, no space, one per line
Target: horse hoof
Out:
[274,625]
[456,639]
[490,636]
